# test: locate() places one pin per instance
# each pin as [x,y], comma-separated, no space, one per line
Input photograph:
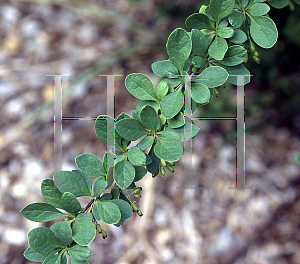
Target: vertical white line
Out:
[58,125]
[240,135]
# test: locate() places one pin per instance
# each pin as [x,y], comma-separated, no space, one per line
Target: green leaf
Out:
[180,132]
[239,36]
[148,117]
[218,48]
[41,212]
[223,23]
[83,230]
[64,259]
[106,211]
[51,193]
[140,86]
[99,186]
[130,129]
[185,73]
[198,21]
[165,69]
[31,255]
[226,32]
[136,114]
[124,174]
[70,203]
[220,8]
[234,56]
[136,156]
[124,207]
[140,172]
[237,70]
[200,43]
[188,63]
[146,142]
[43,241]
[83,217]
[63,254]
[118,150]
[101,128]
[153,167]
[244,3]
[119,159]
[122,116]
[120,222]
[158,123]
[90,164]
[172,82]
[179,46]
[124,197]
[54,259]
[212,76]
[205,10]
[115,192]
[75,181]
[298,158]
[76,261]
[200,93]
[108,161]
[212,93]
[148,159]
[279,3]
[168,146]
[106,196]
[258,9]
[110,177]
[172,103]
[176,121]
[162,90]
[79,252]
[63,232]
[199,62]
[193,106]
[236,19]
[263,31]
[141,104]
[131,186]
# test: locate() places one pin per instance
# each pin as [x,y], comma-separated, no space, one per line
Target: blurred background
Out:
[202,226]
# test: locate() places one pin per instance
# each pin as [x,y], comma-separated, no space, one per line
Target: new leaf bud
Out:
[170,168]
[99,229]
[137,189]
[251,47]
[256,59]
[139,212]
[162,171]
[134,207]
[291,6]
[104,235]
[163,163]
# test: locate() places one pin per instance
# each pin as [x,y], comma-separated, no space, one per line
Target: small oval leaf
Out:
[41,212]
[140,86]
[172,103]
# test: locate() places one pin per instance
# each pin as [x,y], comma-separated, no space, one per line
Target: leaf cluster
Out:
[221,36]
[78,229]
